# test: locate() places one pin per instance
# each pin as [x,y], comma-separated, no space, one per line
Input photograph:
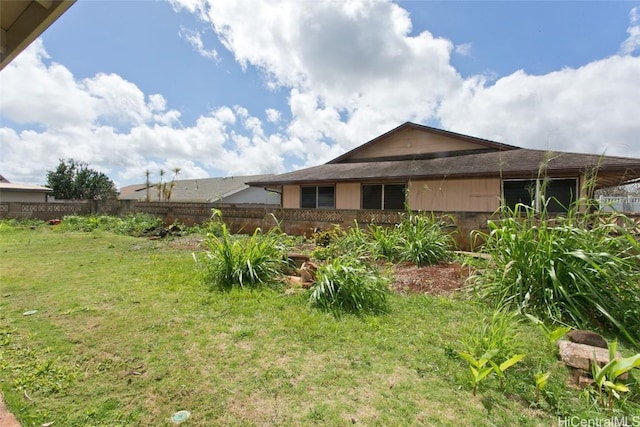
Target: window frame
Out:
[537,200]
[317,196]
[382,206]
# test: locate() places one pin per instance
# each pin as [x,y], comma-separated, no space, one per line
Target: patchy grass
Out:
[130,335]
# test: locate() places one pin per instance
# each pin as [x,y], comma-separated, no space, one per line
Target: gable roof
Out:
[485,144]
[491,159]
[194,190]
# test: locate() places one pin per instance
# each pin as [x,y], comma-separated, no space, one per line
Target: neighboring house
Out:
[22,192]
[231,189]
[436,170]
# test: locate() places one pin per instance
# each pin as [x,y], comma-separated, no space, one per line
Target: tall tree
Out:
[74,180]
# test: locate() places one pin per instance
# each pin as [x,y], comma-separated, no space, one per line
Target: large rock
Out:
[587,337]
[581,356]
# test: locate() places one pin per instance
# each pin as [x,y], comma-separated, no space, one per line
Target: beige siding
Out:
[413,141]
[348,195]
[291,196]
[455,195]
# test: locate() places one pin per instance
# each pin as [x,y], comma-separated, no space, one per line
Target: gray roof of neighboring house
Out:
[194,190]
[512,163]
[7,186]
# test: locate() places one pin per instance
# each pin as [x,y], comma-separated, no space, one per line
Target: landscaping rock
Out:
[581,356]
[308,272]
[588,338]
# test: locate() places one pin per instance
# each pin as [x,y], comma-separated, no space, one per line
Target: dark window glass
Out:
[519,192]
[308,197]
[317,198]
[560,193]
[394,197]
[326,198]
[372,196]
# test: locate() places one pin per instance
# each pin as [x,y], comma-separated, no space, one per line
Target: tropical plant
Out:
[423,240]
[541,380]
[500,368]
[607,378]
[580,270]
[245,262]
[348,284]
[478,368]
[552,335]
[497,332]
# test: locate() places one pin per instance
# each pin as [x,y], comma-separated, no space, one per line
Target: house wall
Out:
[291,196]
[413,141]
[455,195]
[23,196]
[348,195]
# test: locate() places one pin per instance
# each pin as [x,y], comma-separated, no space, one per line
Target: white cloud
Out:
[119,130]
[463,49]
[273,116]
[195,39]
[632,43]
[352,67]
[590,109]
[352,70]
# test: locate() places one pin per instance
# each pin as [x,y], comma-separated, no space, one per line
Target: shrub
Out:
[245,262]
[347,284]
[423,240]
[581,270]
[132,224]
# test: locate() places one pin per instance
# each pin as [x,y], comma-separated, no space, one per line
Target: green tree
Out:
[74,180]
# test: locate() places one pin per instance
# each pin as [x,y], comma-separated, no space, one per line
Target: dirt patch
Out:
[6,418]
[441,279]
[190,243]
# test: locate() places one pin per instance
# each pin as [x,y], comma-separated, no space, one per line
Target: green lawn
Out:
[126,334]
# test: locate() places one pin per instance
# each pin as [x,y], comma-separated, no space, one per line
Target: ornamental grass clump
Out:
[582,270]
[423,239]
[349,285]
[245,261]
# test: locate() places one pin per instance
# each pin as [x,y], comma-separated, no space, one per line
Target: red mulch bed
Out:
[442,279]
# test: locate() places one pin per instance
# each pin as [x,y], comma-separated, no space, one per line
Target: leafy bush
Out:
[132,224]
[347,284]
[11,223]
[325,238]
[498,332]
[240,261]
[581,270]
[418,238]
[423,240]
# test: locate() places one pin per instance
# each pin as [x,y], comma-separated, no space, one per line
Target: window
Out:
[317,198]
[383,196]
[560,193]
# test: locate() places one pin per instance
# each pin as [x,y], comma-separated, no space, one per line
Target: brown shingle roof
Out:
[524,163]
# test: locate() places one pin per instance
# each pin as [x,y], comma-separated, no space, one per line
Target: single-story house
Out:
[431,169]
[26,193]
[230,189]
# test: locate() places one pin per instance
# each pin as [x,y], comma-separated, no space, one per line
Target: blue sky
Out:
[248,87]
